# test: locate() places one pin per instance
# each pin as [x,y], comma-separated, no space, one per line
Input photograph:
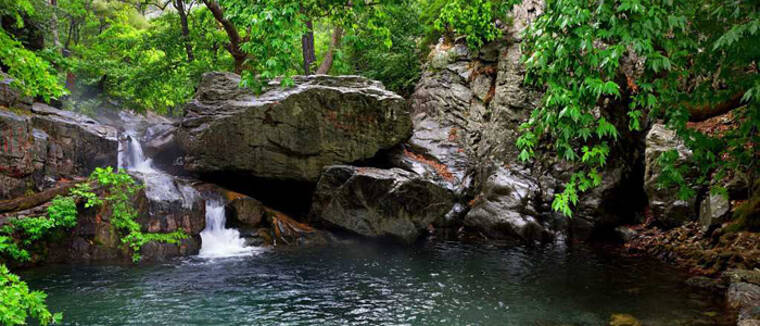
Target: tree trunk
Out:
[54,25]
[180,6]
[327,62]
[307,47]
[232,33]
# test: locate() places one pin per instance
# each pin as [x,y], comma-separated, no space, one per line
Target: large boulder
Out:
[291,133]
[44,144]
[379,203]
[664,203]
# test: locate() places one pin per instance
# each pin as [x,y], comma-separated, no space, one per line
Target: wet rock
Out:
[664,204]
[506,208]
[284,230]
[714,209]
[434,153]
[292,133]
[379,203]
[244,211]
[42,145]
[745,297]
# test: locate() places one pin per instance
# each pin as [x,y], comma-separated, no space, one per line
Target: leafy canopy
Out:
[656,57]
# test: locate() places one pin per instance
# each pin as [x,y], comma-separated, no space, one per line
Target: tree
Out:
[653,58]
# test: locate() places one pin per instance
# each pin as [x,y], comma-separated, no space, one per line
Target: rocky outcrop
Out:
[292,133]
[44,144]
[468,107]
[379,203]
[95,238]
[664,203]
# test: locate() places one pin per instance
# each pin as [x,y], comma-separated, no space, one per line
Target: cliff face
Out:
[474,102]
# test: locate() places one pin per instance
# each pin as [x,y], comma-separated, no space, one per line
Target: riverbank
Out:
[721,261]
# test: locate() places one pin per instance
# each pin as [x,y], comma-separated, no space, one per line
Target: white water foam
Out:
[218,241]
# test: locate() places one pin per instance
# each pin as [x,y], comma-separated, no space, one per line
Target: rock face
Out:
[467,110]
[379,203]
[289,134]
[44,144]
[664,204]
[507,207]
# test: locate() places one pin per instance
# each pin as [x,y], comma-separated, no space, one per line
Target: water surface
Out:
[439,283]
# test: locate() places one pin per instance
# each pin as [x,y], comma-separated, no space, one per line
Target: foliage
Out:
[19,303]
[20,234]
[476,19]
[145,64]
[29,71]
[647,57]
[120,189]
[396,64]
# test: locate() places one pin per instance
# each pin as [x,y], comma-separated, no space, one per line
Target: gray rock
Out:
[745,297]
[506,208]
[714,210]
[289,134]
[664,203]
[44,144]
[379,203]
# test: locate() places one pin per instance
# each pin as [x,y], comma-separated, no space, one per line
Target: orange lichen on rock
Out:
[285,227]
[439,168]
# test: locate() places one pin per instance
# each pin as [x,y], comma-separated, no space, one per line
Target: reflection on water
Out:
[442,283]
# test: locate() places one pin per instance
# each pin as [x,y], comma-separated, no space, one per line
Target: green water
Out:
[439,283]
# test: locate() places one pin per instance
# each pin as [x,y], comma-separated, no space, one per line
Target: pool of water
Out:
[438,283]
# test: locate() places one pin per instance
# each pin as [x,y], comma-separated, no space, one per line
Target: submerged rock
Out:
[289,133]
[42,145]
[664,204]
[379,203]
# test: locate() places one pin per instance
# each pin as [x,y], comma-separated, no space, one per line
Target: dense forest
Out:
[593,84]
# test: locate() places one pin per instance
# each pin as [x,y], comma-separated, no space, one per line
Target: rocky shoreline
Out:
[726,263]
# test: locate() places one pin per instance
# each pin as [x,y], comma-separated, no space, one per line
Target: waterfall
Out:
[132,158]
[217,240]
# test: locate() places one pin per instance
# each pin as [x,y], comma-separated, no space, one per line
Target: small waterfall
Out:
[132,158]
[218,241]
[159,186]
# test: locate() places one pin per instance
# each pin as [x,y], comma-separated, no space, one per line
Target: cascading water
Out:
[216,239]
[159,186]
